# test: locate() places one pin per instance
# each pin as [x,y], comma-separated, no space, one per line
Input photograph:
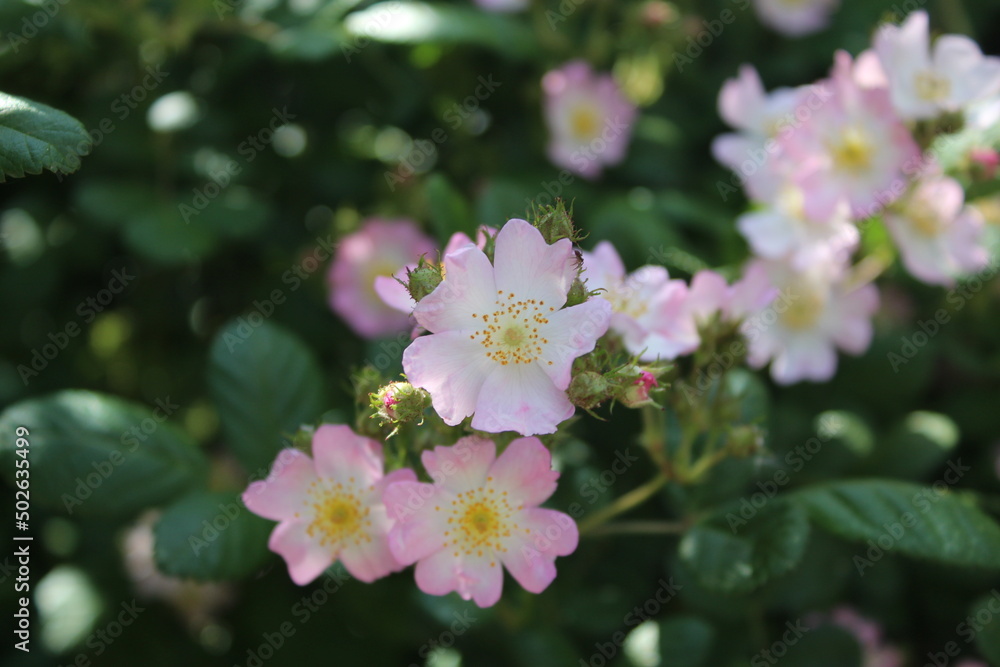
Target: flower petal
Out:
[452,368]
[393,293]
[281,495]
[370,557]
[531,552]
[342,454]
[522,398]
[572,332]
[477,578]
[462,466]
[419,525]
[305,557]
[524,471]
[529,267]
[467,289]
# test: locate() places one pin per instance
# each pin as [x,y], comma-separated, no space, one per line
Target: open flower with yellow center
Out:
[939,238]
[502,345]
[589,119]
[853,148]
[480,516]
[648,308]
[926,81]
[814,313]
[329,508]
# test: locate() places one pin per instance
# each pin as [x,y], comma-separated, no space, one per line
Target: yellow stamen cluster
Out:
[931,86]
[853,152]
[478,522]
[338,515]
[584,123]
[924,221]
[510,333]
[804,310]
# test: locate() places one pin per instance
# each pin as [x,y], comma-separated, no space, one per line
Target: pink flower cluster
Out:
[479,515]
[824,160]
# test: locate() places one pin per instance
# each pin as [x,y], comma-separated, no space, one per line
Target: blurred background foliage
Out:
[319,105]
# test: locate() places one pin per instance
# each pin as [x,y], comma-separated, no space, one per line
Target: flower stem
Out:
[623,503]
[640,528]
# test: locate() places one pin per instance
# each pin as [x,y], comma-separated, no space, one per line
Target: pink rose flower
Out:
[502,345]
[329,507]
[480,513]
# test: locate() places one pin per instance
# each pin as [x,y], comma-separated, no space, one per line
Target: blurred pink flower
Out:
[753,152]
[813,314]
[392,289]
[501,346]
[795,18]
[329,507]
[938,238]
[648,308]
[481,512]
[784,231]
[925,83]
[379,248]
[589,119]
[874,652]
[853,148]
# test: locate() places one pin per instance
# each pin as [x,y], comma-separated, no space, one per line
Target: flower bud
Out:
[636,393]
[588,390]
[984,162]
[554,222]
[422,280]
[399,402]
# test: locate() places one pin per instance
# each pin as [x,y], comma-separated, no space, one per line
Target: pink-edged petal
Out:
[420,517]
[572,332]
[530,268]
[854,327]
[708,294]
[462,466]
[531,551]
[342,454]
[452,368]
[603,268]
[473,577]
[769,233]
[305,557]
[369,558]
[741,99]
[467,290]
[394,294]
[280,496]
[521,398]
[524,471]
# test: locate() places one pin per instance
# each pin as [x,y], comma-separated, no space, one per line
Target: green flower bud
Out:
[554,222]
[399,402]
[588,390]
[422,280]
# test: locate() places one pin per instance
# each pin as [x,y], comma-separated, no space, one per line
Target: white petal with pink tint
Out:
[523,470]
[276,497]
[305,561]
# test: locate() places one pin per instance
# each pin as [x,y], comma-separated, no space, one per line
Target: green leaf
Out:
[210,536]
[265,383]
[685,641]
[982,620]
[741,558]
[905,518]
[101,456]
[398,22]
[34,136]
